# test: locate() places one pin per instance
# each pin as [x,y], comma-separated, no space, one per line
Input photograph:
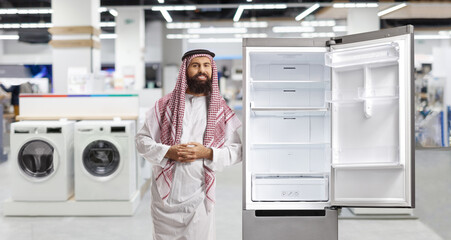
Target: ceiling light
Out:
[355,5]
[25,25]
[181,25]
[9,37]
[292,29]
[113,12]
[320,23]
[251,24]
[392,9]
[241,8]
[339,28]
[103,9]
[174,8]
[215,40]
[318,34]
[431,37]
[182,36]
[166,15]
[307,12]
[108,36]
[249,0]
[25,11]
[107,24]
[251,35]
[160,1]
[213,30]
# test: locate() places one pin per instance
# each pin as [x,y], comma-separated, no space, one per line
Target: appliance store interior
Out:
[345,117]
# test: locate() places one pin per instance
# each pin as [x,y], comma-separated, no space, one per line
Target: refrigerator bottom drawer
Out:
[290,189]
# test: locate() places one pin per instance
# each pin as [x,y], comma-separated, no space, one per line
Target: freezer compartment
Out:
[290,224]
[290,127]
[290,158]
[267,187]
[377,55]
[287,66]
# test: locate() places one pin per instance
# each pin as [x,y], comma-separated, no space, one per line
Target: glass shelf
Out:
[289,145]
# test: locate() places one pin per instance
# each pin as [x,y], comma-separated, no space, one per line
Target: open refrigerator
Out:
[328,123]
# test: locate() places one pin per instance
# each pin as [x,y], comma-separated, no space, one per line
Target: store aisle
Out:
[138,227]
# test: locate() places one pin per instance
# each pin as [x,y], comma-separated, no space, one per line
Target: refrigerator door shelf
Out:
[362,94]
[378,54]
[290,188]
[367,165]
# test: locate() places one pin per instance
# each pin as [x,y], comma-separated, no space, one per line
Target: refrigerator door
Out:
[372,119]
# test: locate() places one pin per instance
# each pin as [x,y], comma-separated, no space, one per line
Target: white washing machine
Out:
[42,160]
[105,160]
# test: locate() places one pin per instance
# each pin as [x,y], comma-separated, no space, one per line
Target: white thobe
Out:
[184,215]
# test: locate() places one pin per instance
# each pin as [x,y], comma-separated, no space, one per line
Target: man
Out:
[189,135]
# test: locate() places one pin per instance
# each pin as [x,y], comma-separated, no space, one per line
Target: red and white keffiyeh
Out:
[170,110]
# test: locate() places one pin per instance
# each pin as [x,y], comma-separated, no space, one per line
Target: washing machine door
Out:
[36,159]
[101,158]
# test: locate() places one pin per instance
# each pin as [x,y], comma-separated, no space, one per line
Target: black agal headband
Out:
[197,51]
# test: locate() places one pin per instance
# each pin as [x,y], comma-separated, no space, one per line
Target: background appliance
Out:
[105,160]
[328,123]
[42,160]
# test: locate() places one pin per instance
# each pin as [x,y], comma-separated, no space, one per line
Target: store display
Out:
[105,160]
[42,159]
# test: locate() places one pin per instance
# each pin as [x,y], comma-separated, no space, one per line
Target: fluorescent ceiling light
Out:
[292,29]
[182,36]
[249,0]
[9,37]
[251,24]
[444,33]
[113,12]
[107,24]
[181,25]
[174,8]
[251,35]
[5,11]
[339,28]
[166,15]
[160,1]
[355,5]
[319,23]
[318,34]
[241,8]
[213,30]
[215,40]
[103,9]
[307,12]
[431,37]
[392,9]
[108,36]
[25,25]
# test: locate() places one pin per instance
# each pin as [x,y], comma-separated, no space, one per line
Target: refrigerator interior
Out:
[289,125]
[323,126]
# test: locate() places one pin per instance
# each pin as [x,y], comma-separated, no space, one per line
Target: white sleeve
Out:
[228,155]
[146,145]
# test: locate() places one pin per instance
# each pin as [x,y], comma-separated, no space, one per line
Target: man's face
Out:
[199,74]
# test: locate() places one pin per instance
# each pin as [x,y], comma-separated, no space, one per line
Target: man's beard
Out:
[197,86]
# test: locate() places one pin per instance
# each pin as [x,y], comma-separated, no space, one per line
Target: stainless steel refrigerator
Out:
[328,123]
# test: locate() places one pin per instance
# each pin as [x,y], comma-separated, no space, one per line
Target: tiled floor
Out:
[228,212]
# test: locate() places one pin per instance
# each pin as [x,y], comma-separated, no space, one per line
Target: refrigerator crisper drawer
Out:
[289,188]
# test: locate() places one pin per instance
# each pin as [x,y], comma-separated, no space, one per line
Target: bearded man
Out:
[189,135]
